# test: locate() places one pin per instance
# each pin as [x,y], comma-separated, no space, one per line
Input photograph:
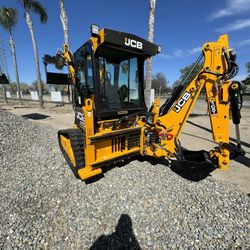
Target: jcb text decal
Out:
[182,102]
[133,43]
[213,107]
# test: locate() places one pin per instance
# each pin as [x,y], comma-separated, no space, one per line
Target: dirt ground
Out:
[196,135]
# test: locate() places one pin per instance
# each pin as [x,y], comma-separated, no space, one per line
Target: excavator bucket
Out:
[193,165]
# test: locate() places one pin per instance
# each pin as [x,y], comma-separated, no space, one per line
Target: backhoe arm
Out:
[163,125]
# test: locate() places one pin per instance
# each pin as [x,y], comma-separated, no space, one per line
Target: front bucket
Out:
[193,165]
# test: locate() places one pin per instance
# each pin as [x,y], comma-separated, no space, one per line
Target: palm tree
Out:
[8,19]
[151,22]
[64,20]
[37,8]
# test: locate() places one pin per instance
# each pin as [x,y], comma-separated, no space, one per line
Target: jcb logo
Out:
[182,102]
[133,43]
[213,107]
[80,116]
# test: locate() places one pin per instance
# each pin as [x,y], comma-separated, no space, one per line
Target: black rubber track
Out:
[76,138]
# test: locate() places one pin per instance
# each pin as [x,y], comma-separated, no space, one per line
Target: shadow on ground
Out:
[35,116]
[122,238]
[243,160]
[210,131]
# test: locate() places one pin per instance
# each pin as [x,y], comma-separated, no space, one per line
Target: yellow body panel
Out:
[98,152]
[102,149]
[116,155]
[85,173]
[65,142]
[96,41]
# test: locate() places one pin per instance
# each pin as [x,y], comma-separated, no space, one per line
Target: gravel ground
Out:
[137,206]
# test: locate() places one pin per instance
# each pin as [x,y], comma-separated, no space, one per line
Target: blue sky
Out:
[181,28]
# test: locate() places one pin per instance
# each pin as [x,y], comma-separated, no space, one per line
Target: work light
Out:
[94,30]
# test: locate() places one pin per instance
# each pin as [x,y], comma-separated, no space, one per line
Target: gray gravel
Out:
[137,206]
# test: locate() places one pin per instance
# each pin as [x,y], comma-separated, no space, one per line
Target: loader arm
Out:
[167,122]
[61,59]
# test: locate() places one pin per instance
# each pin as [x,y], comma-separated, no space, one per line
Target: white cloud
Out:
[237,25]
[179,53]
[233,7]
[243,43]
[194,50]
[166,56]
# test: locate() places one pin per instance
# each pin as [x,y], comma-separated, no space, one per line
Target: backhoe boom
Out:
[169,120]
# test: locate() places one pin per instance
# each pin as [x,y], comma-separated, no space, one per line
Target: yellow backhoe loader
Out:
[112,122]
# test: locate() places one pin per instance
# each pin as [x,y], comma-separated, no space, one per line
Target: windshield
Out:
[119,86]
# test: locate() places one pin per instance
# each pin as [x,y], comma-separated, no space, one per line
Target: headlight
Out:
[94,30]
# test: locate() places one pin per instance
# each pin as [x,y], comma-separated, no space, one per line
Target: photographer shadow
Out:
[123,237]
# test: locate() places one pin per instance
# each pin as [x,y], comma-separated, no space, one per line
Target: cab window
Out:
[84,70]
[80,70]
[89,70]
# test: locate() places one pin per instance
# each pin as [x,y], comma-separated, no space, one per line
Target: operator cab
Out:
[109,70]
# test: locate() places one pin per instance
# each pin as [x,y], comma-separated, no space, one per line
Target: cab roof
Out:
[127,42]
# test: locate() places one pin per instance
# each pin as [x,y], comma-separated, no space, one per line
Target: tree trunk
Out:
[38,73]
[151,22]
[4,94]
[64,20]
[13,52]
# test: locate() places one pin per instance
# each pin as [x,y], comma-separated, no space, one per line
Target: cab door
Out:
[84,87]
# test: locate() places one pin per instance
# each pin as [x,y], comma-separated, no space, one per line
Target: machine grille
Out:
[127,142]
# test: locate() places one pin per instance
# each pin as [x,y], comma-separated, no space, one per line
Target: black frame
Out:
[112,114]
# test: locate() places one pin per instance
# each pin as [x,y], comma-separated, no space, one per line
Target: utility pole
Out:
[151,22]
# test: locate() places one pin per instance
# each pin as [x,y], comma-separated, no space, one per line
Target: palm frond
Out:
[38,8]
[35,7]
[25,3]
[8,18]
